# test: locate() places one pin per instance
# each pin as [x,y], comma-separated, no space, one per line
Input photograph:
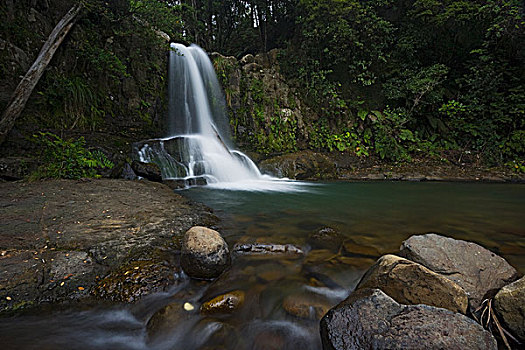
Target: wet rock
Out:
[410,283]
[301,166]
[509,304]
[148,171]
[61,236]
[223,304]
[261,249]
[370,319]
[355,249]
[166,319]
[204,254]
[326,238]
[133,281]
[308,306]
[477,270]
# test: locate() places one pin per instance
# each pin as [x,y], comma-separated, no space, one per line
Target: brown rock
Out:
[225,303]
[352,248]
[410,283]
[306,306]
[477,270]
[509,303]
[326,238]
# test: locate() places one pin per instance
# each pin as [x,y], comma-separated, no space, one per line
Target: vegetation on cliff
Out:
[389,78]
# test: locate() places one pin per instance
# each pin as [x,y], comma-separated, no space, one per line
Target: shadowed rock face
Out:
[408,282]
[477,270]
[57,236]
[369,319]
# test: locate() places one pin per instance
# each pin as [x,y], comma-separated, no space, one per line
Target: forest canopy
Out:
[395,77]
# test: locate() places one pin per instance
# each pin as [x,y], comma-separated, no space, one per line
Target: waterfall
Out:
[198,149]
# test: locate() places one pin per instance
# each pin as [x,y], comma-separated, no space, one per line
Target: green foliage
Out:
[73,102]
[68,159]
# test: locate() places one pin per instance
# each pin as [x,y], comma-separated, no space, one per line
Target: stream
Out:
[284,297]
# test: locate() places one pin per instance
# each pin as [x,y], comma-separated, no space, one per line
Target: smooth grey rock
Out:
[204,253]
[477,270]
[509,304]
[370,319]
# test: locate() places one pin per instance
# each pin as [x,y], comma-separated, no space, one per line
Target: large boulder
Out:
[408,282]
[370,319]
[509,304]
[477,270]
[204,253]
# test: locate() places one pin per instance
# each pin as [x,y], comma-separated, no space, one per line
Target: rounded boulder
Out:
[204,253]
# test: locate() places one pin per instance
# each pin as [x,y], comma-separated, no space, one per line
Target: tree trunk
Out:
[27,84]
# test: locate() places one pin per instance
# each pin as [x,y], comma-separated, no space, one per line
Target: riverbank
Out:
[64,240]
[451,166]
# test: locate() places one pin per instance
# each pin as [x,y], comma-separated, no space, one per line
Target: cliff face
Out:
[266,114]
[106,82]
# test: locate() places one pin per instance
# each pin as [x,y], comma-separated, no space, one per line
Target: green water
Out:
[377,214]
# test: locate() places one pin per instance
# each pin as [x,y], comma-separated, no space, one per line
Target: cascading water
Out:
[198,149]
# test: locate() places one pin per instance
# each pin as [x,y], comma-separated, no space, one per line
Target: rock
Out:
[326,238]
[205,254]
[148,171]
[509,304]
[261,249]
[354,249]
[301,166]
[370,319]
[477,270]
[223,304]
[410,283]
[16,168]
[166,319]
[93,228]
[309,306]
[133,281]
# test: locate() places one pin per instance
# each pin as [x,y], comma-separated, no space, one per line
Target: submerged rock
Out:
[370,319]
[261,249]
[509,303]
[477,270]
[166,319]
[225,303]
[309,306]
[408,282]
[354,249]
[326,238]
[204,253]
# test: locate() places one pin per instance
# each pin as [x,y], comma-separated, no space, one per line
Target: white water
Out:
[198,149]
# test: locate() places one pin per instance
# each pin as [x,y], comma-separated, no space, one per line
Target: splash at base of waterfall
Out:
[198,160]
[199,150]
